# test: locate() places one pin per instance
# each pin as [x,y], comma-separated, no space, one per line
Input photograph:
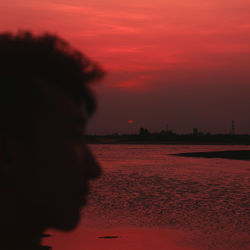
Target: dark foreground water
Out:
[148,200]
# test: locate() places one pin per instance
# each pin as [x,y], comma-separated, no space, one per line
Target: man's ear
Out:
[4,154]
[11,152]
[4,158]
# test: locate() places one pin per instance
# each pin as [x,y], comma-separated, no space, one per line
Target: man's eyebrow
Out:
[80,120]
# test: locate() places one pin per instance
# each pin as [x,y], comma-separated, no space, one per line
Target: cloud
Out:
[139,83]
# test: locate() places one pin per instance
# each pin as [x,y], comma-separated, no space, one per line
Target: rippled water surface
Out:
[190,203]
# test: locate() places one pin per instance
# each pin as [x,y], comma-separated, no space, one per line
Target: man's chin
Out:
[67,216]
[67,221]
[68,224]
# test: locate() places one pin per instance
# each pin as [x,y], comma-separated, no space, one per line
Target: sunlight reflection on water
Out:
[144,187]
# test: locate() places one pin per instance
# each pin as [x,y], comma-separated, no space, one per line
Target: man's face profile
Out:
[45,164]
[52,177]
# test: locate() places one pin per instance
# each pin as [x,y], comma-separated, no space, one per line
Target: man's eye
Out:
[78,136]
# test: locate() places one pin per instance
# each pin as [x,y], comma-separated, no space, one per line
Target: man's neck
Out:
[18,229]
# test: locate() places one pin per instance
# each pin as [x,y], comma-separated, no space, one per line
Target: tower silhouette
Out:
[233,128]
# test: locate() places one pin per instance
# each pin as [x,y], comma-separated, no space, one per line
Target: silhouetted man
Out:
[45,165]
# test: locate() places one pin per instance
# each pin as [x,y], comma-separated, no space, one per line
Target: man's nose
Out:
[93,169]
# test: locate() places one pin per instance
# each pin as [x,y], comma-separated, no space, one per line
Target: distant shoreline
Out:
[163,139]
[234,155]
[165,143]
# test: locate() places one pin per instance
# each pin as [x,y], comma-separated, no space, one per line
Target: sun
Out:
[131,121]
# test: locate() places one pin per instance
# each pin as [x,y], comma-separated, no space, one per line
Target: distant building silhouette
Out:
[167,129]
[233,128]
[195,131]
[143,131]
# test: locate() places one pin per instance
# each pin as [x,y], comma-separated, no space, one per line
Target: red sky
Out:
[185,63]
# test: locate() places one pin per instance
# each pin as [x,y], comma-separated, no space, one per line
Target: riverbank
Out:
[235,155]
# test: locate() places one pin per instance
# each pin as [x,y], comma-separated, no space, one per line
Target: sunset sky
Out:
[185,63]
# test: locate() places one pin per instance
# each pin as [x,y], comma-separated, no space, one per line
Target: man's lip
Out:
[83,201]
[84,190]
[83,198]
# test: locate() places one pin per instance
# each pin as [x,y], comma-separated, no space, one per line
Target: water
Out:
[152,200]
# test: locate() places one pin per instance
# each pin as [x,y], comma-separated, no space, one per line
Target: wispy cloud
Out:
[140,83]
[142,35]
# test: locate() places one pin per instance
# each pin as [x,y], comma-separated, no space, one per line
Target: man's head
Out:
[45,103]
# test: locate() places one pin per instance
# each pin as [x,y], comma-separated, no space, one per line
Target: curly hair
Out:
[24,58]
